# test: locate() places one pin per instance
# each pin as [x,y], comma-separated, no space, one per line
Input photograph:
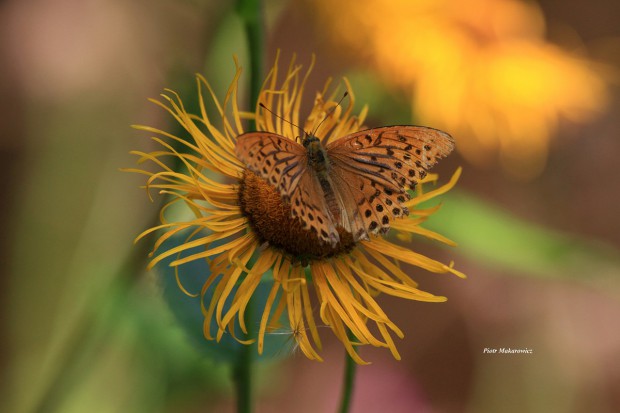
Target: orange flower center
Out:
[270,218]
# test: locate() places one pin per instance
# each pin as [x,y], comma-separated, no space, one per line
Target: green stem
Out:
[250,13]
[242,376]
[349,379]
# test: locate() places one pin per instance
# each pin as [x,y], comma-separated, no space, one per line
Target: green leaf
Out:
[490,235]
[188,313]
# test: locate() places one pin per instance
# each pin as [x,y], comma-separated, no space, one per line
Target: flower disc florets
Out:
[270,217]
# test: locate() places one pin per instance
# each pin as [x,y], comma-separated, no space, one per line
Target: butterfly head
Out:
[309,140]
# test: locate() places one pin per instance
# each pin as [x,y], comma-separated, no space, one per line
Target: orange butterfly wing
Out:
[371,171]
[284,164]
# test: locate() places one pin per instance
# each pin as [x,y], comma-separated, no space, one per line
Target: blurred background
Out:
[528,89]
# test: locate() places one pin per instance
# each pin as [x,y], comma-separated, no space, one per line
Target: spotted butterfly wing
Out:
[284,164]
[371,171]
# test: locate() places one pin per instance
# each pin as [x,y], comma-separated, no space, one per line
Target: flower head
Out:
[244,228]
[480,69]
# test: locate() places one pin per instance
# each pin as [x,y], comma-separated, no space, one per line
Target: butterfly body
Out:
[318,160]
[358,182]
[317,157]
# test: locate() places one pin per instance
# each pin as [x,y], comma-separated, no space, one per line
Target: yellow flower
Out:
[249,229]
[479,69]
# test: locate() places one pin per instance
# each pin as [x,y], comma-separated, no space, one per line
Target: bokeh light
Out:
[481,70]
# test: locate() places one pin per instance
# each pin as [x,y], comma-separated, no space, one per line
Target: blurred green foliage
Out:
[490,235]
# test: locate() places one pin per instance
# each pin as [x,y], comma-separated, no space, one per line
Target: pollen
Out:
[271,219]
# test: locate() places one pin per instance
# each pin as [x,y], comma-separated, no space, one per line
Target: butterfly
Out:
[358,182]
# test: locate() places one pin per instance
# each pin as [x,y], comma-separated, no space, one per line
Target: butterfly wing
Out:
[371,171]
[278,160]
[308,203]
[284,164]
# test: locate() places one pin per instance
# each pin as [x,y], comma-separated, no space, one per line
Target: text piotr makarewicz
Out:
[507,350]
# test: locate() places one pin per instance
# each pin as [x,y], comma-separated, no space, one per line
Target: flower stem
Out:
[250,13]
[347,385]
[242,376]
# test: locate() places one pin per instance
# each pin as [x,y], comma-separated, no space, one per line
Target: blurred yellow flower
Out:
[479,69]
[246,228]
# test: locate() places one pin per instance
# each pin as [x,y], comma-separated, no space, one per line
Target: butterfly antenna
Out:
[331,112]
[280,117]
